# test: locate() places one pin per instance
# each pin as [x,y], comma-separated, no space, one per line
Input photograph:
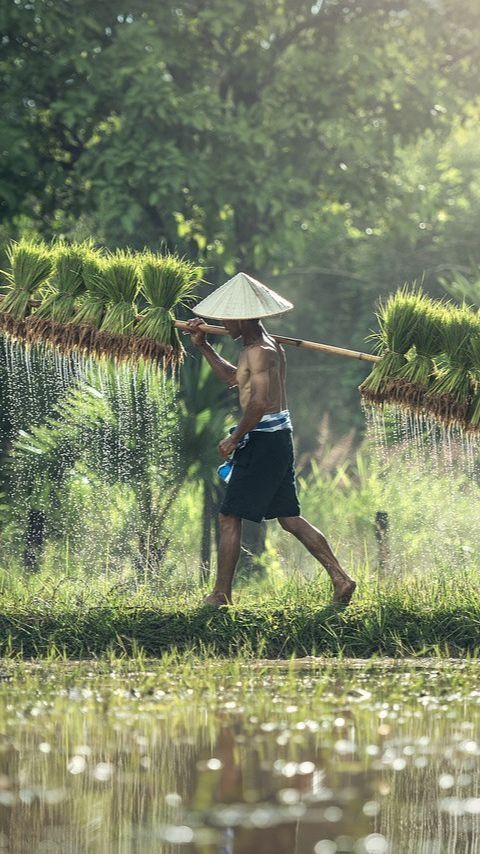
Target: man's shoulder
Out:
[259,354]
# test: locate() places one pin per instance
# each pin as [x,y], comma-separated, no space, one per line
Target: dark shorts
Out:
[262,485]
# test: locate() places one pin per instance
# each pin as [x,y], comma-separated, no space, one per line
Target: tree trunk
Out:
[253,546]
[34,539]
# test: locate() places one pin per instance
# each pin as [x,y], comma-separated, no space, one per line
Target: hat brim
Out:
[226,316]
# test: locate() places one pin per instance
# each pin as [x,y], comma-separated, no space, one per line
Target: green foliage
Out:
[114,436]
[303,145]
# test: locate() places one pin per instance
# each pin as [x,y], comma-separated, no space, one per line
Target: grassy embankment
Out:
[414,615]
[428,603]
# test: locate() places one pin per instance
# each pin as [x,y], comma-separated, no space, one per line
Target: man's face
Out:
[233,327]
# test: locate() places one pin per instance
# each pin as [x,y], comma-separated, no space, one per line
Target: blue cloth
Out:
[270,423]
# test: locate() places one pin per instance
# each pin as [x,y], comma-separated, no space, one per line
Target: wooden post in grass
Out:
[382,526]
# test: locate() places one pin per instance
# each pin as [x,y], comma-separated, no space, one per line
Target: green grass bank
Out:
[404,617]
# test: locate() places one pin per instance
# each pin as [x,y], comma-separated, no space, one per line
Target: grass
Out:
[87,600]
[407,616]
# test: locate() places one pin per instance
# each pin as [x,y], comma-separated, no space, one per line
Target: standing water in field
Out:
[230,758]
[91,460]
[434,519]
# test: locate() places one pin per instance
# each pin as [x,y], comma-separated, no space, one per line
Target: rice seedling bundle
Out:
[167,283]
[121,305]
[430,359]
[74,296]
[31,265]
[119,285]
[47,322]
[473,416]
[415,377]
[450,394]
[90,309]
[398,318]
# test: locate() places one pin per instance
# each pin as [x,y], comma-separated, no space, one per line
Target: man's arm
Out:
[223,369]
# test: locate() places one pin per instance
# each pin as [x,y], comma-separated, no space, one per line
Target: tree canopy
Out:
[328,148]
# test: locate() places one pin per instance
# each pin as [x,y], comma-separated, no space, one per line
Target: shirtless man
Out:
[262,482]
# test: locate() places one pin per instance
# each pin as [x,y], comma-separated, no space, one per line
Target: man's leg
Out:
[228,554]
[315,542]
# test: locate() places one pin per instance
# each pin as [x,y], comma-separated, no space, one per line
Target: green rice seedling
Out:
[449,395]
[167,282]
[91,304]
[416,375]
[64,285]
[47,322]
[30,267]
[398,318]
[473,415]
[119,283]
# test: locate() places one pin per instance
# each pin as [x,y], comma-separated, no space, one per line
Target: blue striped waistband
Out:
[270,423]
[274,421]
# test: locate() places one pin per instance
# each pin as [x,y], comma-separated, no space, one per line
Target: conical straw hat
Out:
[242,298]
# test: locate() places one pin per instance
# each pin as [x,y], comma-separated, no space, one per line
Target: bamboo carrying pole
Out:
[293,342]
[282,339]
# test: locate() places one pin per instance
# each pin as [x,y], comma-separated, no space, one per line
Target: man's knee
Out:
[229,522]
[292,524]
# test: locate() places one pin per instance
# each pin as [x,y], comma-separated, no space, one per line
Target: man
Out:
[260,471]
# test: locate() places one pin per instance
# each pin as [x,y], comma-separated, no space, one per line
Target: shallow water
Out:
[220,757]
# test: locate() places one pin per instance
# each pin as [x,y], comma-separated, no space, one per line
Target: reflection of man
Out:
[261,476]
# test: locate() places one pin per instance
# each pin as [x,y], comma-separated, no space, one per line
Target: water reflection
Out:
[369,759]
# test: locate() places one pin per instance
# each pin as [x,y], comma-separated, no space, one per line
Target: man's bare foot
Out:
[344,590]
[216,600]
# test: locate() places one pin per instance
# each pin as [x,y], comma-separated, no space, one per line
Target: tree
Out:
[224,124]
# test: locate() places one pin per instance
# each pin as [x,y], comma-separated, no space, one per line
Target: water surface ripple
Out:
[312,757]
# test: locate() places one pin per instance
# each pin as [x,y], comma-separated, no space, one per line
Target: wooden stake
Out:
[292,342]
